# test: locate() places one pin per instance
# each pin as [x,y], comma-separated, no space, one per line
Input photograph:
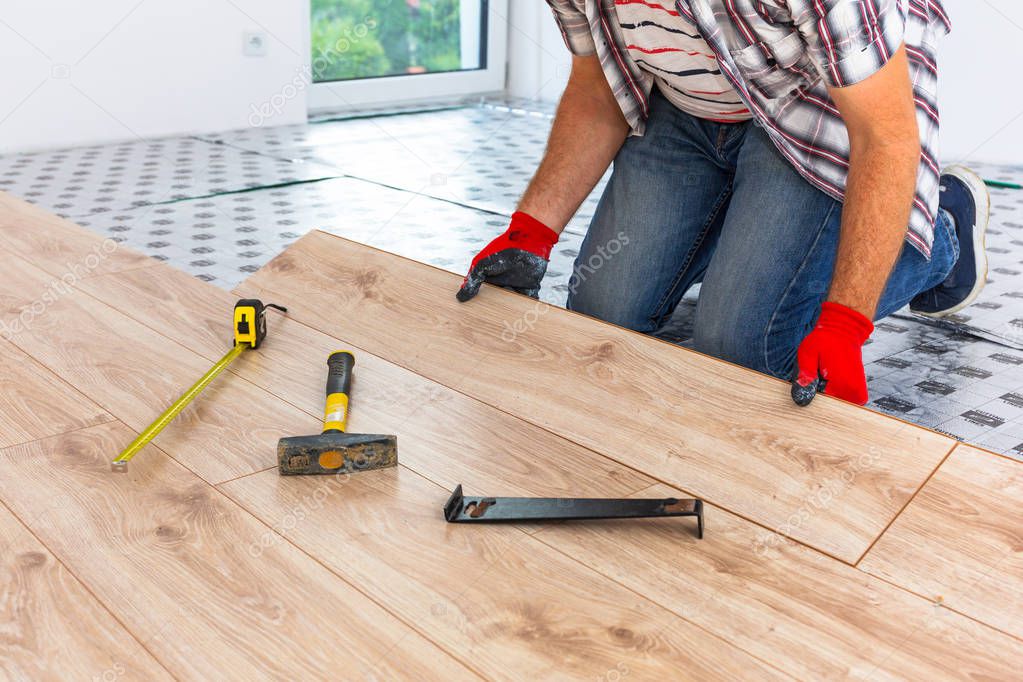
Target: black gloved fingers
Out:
[803,395]
[471,286]
[514,269]
[488,268]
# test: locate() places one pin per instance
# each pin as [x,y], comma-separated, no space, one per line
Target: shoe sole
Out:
[977,186]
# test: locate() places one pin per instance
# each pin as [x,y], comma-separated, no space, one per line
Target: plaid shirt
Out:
[781,56]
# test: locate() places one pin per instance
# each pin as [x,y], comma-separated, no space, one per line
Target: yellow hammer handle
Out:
[339,387]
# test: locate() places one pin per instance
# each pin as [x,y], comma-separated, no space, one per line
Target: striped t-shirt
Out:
[684,67]
[782,57]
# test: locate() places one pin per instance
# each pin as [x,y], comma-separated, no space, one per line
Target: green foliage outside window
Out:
[365,38]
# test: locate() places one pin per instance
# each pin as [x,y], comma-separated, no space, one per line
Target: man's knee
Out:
[745,342]
[608,304]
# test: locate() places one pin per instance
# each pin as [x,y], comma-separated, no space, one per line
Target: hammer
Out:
[334,451]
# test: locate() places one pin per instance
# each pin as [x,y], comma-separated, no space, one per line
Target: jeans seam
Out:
[697,243]
[795,276]
[953,239]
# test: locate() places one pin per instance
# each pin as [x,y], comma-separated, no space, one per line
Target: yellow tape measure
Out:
[249,332]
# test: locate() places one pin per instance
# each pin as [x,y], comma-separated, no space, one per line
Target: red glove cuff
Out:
[525,233]
[529,234]
[837,318]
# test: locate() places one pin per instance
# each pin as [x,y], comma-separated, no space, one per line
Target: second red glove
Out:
[833,352]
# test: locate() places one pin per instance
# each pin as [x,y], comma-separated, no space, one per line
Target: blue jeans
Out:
[715,203]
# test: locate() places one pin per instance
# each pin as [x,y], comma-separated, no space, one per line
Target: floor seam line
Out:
[341,174]
[62,433]
[906,505]
[58,435]
[238,478]
[942,604]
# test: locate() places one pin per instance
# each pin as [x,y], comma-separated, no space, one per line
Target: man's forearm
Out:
[875,217]
[588,131]
[884,155]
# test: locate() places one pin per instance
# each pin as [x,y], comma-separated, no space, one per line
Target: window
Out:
[375,51]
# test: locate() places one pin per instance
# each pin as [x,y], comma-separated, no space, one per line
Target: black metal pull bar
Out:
[461,509]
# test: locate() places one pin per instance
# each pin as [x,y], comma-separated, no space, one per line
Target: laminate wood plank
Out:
[960,541]
[175,560]
[34,403]
[446,436]
[711,428]
[490,594]
[51,628]
[812,616]
[134,373]
[57,245]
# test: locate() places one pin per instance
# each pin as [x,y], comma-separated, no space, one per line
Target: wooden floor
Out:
[840,543]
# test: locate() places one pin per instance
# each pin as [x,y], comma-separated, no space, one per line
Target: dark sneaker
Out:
[965,197]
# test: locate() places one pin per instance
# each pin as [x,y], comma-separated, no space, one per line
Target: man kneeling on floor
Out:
[782,154]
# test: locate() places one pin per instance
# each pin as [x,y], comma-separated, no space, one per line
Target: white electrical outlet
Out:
[255,44]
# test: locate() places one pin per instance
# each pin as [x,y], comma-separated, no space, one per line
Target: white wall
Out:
[538,61]
[980,89]
[980,84]
[75,73]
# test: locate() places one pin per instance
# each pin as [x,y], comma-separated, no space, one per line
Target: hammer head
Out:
[335,452]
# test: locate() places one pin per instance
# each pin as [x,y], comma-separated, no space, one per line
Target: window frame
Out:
[382,90]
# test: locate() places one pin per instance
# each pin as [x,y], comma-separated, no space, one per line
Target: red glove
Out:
[515,260]
[832,353]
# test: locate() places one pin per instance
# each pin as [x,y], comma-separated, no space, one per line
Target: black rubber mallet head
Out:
[334,451]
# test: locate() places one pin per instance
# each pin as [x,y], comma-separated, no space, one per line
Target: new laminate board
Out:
[51,628]
[810,615]
[512,607]
[212,592]
[58,246]
[960,541]
[711,428]
[35,403]
[134,373]
[446,436]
